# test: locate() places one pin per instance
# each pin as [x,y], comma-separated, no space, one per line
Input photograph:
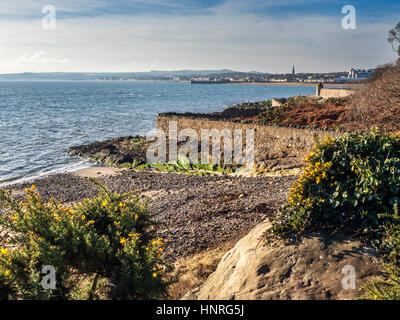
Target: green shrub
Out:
[104,247]
[183,165]
[352,183]
[273,115]
[388,289]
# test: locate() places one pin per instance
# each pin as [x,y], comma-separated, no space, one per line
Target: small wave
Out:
[66,169]
[8,179]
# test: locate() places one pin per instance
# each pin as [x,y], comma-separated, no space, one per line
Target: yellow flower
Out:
[83,218]
[116,223]
[14,218]
[3,250]
[122,240]
[33,187]
[58,218]
[7,273]
[136,216]
[122,204]
[105,202]
[154,275]
[91,222]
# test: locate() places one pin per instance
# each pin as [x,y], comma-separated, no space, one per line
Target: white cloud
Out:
[33,8]
[36,58]
[142,43]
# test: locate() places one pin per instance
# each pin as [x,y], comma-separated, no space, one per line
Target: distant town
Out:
[228,76]
[202,76]
[335,77]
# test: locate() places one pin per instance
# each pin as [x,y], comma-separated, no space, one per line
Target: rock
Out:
[243,110]
[309,269]
[118,150]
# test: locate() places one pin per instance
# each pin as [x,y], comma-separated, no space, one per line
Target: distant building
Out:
[356,74]
[360,74]
[293,71]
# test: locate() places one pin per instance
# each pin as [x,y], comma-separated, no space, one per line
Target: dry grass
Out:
[378,104]
[191,272]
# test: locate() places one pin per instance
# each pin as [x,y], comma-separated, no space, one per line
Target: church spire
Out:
[293,72]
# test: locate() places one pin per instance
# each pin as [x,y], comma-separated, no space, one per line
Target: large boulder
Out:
[311,268]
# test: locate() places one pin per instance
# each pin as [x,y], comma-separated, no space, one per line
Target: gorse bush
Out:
[352,182]
[388,289]
[104,247]
[384,289]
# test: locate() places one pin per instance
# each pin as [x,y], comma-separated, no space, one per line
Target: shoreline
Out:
[301,84]
[73,167]
[227,207]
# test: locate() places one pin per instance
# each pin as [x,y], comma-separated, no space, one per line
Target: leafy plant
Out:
[388,289]
[104,247]
[182,165]
[351,182]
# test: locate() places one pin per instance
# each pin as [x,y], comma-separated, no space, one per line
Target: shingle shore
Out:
[199,212]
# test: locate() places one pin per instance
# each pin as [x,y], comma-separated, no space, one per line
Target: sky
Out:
[144,35]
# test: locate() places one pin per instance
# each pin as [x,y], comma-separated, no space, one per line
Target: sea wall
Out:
[283,147]
[335,93]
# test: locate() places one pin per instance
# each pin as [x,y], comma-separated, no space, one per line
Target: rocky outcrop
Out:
[116,151]
[243,110]
[308,269]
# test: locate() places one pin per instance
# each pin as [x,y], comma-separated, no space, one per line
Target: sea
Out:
[40,120]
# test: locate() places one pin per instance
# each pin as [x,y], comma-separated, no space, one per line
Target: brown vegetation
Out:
[375,105]
[308,111]
[378,104]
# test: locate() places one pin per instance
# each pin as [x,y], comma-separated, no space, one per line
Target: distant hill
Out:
[152,75]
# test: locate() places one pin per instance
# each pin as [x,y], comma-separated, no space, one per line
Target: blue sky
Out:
[143,35]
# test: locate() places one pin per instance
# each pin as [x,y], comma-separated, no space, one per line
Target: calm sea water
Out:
[40,120]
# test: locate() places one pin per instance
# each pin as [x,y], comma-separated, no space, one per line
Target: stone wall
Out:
[276,146]
[335,93]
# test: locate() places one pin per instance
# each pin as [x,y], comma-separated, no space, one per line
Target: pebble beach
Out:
[197,212]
